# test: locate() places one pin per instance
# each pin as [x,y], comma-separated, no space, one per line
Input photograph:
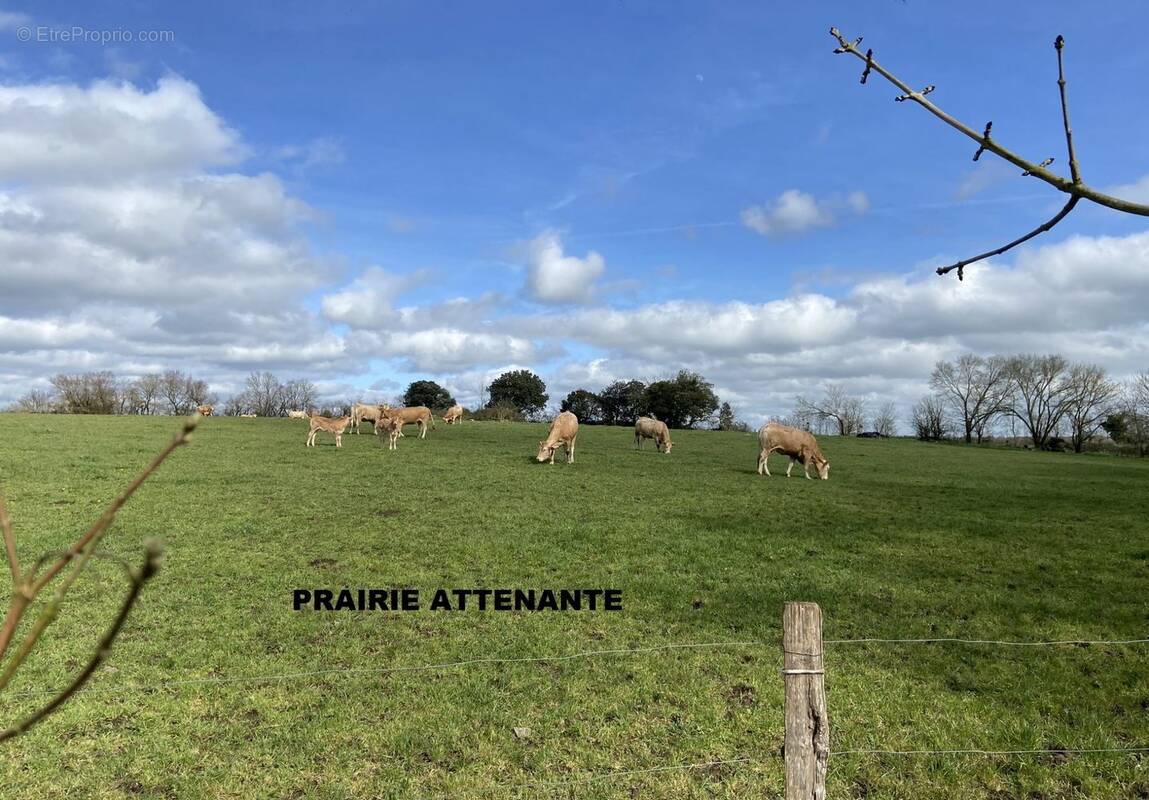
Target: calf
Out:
[453,415]
[798,444]
[333,426]
[648,428]
[206,409]
[392,427]
[564,430]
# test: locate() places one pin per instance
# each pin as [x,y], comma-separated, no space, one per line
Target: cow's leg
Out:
[637,440]
[763,458]
[790,466]
[339,439]
[422,429]
[570,451]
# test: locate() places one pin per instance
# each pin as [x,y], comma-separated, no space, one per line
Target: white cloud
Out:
[11,20]
[553,277]
[109,132]
[1137,192]
[323,151]
[858,202]
[367,302]
[795,212]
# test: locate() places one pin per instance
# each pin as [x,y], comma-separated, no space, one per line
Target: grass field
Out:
[904,540]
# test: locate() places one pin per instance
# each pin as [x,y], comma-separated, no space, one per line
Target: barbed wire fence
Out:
[806,758]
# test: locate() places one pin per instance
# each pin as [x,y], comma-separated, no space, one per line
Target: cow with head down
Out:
[798,444]
[650,428]
[563,431]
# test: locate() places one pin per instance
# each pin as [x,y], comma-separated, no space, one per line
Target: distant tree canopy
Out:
[584,405]
[682,402]
[520,388]
[427,393]
[623,402]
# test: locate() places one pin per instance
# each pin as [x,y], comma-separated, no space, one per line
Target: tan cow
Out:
[564,431]
[362,412]
[648,428]
[333,426]
[297,415]
[206,409]
[798,444]
[412,415]
[392,427]
[453,415]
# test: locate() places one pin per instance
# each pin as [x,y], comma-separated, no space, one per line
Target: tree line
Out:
[101,392]
[1054,401]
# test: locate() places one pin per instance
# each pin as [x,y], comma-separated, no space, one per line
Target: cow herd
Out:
[800,446]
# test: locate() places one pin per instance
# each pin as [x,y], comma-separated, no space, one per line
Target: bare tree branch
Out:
[27,587]
[1042,228]
[139,578]
[1074,171]
[9,542]
[1074,187]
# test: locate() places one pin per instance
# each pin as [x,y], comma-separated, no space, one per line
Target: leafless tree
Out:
[929,419]
[886,420]
[148,387]
[1073,186]
[1134,403]
[263,394]
[846,413]
[87,393]
[36,401]
[298,395]
[1041,394]
[60,572]
[173,389]
[975,388]
[1091,398]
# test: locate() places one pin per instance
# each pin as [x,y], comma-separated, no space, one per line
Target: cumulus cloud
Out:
[109,132]
[553,277]
[124,249]
[795,212]
[1137,192]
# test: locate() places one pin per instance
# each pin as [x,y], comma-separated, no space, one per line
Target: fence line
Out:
[626,773]
[387,670]
[976,752]
[1006,643]
[567,657]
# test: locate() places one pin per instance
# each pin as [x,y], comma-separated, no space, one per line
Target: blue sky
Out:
[590,190]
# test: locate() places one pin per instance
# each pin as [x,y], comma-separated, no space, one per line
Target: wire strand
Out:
[388,670]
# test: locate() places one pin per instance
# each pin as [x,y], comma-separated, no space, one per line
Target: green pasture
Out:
[218,689]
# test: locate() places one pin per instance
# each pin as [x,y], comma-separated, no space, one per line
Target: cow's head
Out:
[823,467]
[665,446]
[545,451]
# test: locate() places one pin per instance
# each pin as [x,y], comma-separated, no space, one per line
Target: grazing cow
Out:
[453,415]
[564,431]
[392,427]
[297,415]
[333,426]
[249,416]
[798,444]
[412,415]
[361,412]
[647,428]
[206,409]
[869,435]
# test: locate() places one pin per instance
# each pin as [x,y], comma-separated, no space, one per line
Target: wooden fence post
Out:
[807,727]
